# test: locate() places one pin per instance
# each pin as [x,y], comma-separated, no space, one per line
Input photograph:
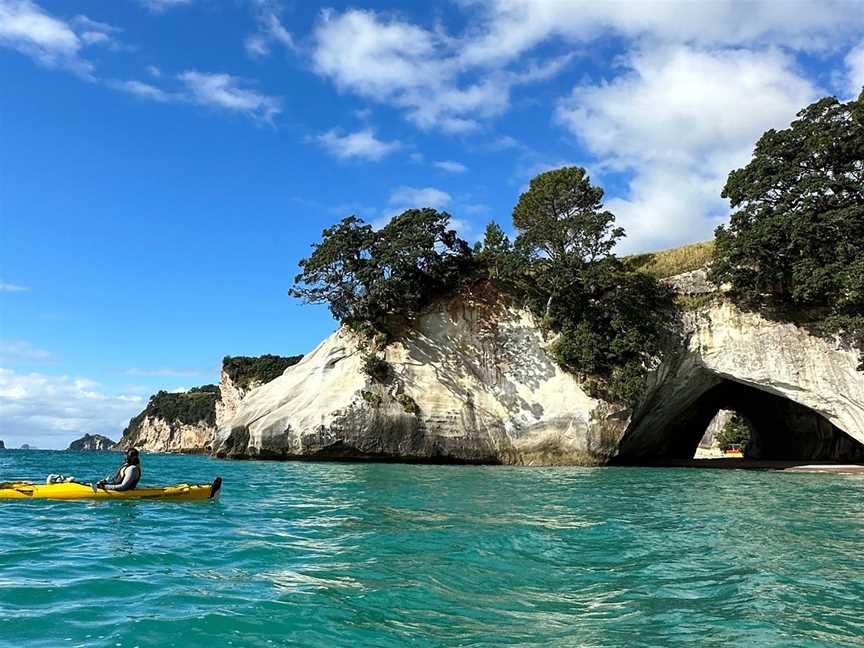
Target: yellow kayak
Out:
[74,491]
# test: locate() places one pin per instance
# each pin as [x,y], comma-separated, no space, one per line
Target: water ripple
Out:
[389,555]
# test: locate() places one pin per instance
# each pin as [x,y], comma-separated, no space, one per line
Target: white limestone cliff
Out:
[471,382]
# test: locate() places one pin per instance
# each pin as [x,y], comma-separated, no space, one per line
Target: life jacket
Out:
[118,476]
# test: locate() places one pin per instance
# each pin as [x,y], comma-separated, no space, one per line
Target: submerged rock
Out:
[93,442]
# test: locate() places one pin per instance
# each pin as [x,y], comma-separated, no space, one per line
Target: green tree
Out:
[610,319]
[562,216]
[369,277]
[736,432]
[495,252]
[339,270]
[796,237]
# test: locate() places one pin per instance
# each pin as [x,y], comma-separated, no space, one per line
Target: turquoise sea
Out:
[328,554]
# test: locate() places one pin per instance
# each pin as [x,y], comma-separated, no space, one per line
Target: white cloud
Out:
[158,6]
[52,42]
[154,71]
[143,90]
[508,28]
[50,411]
[270,30]
[679,120]
[361,144]
[450,167]
[455,83]
[10,287]
[855,68]
[412,197]
[417,70]
[226,92]
[14,350]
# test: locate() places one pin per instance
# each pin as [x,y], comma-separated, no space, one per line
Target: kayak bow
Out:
[73,491]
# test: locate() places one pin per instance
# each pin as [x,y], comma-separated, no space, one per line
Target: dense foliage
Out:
[609,319]
[796,239]
[245,370]
[369,276]
[736,431]
[198,405]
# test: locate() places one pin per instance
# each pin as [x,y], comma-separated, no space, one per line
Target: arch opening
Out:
[780,429]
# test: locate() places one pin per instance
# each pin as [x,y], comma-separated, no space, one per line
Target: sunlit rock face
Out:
[470,382]
[155,434]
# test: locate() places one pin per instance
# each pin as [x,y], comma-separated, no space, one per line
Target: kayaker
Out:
[127,476]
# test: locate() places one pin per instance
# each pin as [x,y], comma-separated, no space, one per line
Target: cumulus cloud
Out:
[455,83]
[362,144]
[855,69]
[508,28]
[413,197]
[226,92]
[678,120]
[450,166]
[51,41]
[415,69]
[49,411]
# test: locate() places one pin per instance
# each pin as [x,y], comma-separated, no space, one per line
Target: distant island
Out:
[25,446]
[2,445]
[92,442]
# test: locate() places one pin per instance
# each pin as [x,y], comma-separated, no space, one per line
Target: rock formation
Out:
[187,422]
[2,445]
[472,382]
[92,442]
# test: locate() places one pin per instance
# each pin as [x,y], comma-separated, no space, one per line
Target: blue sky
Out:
[164,164]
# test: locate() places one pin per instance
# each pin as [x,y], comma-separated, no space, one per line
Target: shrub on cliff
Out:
[245,370]
[190,407]
[796,239]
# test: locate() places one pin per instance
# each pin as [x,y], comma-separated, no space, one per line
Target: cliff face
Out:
[187,422]
[155,434]
[472,382]
[92,442]
[175,422]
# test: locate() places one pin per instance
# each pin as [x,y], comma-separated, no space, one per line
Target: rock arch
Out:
[803,395]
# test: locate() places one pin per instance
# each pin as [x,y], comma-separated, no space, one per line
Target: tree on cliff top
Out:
[796,238]
[562,216]
[368,276]
[610,320]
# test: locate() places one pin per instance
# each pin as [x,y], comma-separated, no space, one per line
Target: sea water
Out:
[335,554]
